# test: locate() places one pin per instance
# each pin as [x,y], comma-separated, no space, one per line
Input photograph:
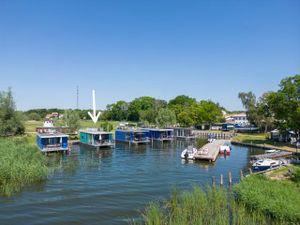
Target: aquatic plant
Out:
[200,142]
[21,163]
[205,207]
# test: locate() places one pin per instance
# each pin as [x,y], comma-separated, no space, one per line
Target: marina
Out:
[97,186]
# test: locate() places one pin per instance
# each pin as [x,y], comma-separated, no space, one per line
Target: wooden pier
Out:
[274,155]
[216,135]
[209,151]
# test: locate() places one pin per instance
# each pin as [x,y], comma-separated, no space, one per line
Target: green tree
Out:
[139,104]
[211,112]
[34,116]
[285,104]
[180,103]
[10,121]
[165,118]
[72,120]
[117,111]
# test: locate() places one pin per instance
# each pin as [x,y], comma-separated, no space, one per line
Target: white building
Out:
[240,119]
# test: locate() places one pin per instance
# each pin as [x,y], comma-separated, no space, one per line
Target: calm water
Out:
[112,186]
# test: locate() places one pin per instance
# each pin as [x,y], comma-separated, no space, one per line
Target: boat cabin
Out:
[161,134]
[52,142]
[96,138]
[184,133]
[132,136]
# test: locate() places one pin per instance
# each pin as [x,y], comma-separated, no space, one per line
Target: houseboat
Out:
[161,134]
[132,136]
[96,138]
[50,139]
[184,133]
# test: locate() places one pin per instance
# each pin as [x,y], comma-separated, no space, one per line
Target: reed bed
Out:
[207,207]
[21,163]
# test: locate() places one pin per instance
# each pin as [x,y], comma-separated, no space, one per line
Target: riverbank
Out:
[257,199]
[21,163]
[260,141]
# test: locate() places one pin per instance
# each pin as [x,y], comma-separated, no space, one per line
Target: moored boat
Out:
[225,149]
[188,153]
[265,164]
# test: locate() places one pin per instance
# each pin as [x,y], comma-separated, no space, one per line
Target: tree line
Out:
[275,109]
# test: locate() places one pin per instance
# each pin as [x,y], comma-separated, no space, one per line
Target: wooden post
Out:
[213,181]
[241,174]
[229,178]
[250,171]
[221,180]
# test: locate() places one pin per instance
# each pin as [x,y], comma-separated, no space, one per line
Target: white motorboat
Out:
[225,149]
[188,153]
[272,151]
[265,164]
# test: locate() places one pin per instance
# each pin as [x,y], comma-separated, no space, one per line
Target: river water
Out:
[113,186]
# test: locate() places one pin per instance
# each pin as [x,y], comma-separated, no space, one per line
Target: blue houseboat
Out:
[96,138]
[184,133]
[48,139]
[132,136]
[161,134]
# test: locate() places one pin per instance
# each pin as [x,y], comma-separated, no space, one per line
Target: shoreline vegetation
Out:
[255,200]
[21,164]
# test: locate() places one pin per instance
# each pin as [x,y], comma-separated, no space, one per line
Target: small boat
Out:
[188,153]
[272,151]
[265,164]
[225,149]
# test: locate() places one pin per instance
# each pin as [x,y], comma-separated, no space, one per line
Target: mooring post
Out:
[241,174]
[213,181]
[221,180]
[250,171]
[229,178]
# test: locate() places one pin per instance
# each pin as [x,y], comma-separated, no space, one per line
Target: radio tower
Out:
[77,99]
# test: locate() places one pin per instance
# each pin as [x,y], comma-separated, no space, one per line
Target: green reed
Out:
[21,163]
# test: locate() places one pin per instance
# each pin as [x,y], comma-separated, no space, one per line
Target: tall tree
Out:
[72,120]
[180,103]
[165,118]
[10,121]
[137,105]
[285,104]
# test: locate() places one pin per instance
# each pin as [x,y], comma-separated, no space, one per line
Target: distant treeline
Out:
[183,109]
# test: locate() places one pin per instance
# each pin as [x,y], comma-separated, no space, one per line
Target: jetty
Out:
[209,151]
[274,155]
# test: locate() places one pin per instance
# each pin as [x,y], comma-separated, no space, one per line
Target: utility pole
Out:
[77,97]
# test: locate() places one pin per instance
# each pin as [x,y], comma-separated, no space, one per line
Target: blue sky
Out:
[126,49]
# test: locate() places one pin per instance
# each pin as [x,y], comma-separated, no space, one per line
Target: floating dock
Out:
[274,155]
[210,151]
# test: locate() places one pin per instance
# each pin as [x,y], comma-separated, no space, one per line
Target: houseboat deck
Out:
[132,136]
[161,134]
[96,139]
[52,142]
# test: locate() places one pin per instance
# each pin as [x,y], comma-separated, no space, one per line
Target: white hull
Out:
[188,153]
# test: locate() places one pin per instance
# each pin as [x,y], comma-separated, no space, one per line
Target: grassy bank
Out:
[262,140]
[256,200]
[21,163]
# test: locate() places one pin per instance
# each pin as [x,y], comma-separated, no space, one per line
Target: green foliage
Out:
[107,126]
[10,119]
[139,104]
[165,118]
[72,120]
[277,199]
[296,176]
[199,207]
[285,104]
[117,111]
[200,142]
[34,116]
[21,163]
[180,103]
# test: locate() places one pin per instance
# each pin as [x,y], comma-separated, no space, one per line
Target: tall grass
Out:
[21,163]
[200,142]
[277,199]
[207,207]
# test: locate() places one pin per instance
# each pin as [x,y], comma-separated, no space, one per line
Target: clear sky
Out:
[126,49]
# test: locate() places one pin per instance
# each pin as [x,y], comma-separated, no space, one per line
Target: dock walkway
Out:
[271,155]
[209,151]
